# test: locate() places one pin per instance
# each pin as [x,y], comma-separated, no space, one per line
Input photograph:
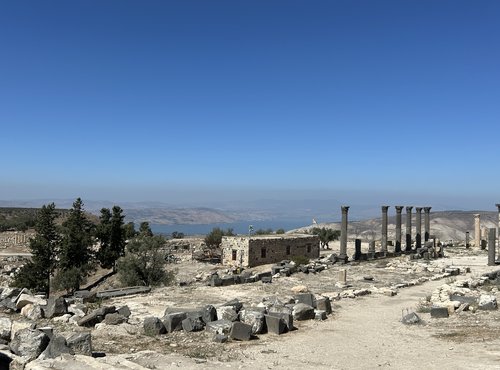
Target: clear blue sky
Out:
[190,100]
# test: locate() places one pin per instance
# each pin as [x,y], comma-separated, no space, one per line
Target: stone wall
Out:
[9,239]
[261,250]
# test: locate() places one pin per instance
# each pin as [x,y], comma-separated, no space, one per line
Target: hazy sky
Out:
[182,101]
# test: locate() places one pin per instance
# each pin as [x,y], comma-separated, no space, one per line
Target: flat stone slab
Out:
[439,312]
[111,293]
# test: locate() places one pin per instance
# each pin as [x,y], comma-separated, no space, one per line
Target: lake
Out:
[240,227]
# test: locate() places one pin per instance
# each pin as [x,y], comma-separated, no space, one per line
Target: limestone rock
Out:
[300,289]
[29,343]
[153,326]
[57,346]
[25,299]
[55,307]
[32,312]
[5,327]
[302,311]
[227,313]
[411,319]
[219,327]
[254,318]
[114,319]
[80,343]
[487,302]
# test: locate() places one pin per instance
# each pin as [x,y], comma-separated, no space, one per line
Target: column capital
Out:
[427,209]
[418,209]
[477,215]
[498,206]
[344,209]
[408,209]
[385,208]
[399,208]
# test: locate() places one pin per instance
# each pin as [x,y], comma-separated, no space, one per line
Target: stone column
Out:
[467,241]
[408,229]
[477,230]
[397,248]
[384,229]
[498,226]
[491,246]
[418,236]
[343,234]
[357,249]
[427,223]
[371,250]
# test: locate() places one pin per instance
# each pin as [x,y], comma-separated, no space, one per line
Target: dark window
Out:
[234,254]
[263,253]
[287,249]
[309,249]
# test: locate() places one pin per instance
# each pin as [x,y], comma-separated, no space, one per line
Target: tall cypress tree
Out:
[43,247]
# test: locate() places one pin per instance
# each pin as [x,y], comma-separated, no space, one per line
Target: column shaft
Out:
[343,234]
[408,229]
[418,236]
[427,222]
[397,248]
[384,229]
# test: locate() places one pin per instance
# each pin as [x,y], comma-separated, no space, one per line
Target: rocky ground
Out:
[364,331]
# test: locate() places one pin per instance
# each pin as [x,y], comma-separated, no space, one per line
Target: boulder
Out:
[220,338]
[208,314]
[20,325]
[236,304]
[190,324]
[173,321]
[96,316]
[80,343]
[8,293]
[153,326]
[5,327]
[227,313]
[300,289]
[29,343]
[32,312]
[255,318]
[302,311]
[55,307]
[57,346]
[219,326]
[240,331]
[114,319]
[487,302]
[411,319]
[124,311]
[25,299]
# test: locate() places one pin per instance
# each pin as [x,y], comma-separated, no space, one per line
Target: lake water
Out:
[240,227]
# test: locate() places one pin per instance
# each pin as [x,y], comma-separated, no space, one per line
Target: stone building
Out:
[262,249]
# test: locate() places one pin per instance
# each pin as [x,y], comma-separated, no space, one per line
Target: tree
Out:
[75,257]
[177,235]
[145,229]
[111,236]
[280,231]
[326,235]
[263,231]
[130,230]
[36,274]
[144,262]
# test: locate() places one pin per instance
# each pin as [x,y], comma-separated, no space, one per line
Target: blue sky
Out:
[189,101]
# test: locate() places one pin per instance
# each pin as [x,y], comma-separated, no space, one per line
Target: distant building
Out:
[262,249]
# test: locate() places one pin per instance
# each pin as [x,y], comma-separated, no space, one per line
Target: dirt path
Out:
[367,334]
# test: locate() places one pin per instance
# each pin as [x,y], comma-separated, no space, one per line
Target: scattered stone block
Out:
[32,312]
[215,281]
[55,307]
[219,326]
[29,343]
[286,317]
[114,319]
[173,321]
[299,289]
[80,343]
[320,315]
[209,313]
[153,326]
[57,346]
[25,299]
[220,338]
[487,302]
[240,331]
[85,295]
[5,327]
[227,280]
[124,311]
[411,319]
[227,313]
[235,303]
[254,318]
[302,311]
[439,312]
[276,269]
[323,303]
[306,298]
[190,324]
[267,280]
[275,324]
[96,316]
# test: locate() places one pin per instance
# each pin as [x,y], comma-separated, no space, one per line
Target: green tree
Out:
[111,235]
[75,257]
[214,238]
[36,274]
[177,235]
[145,229]
[144,262]
[280,231]
[263,231]
[130,230]
[326,235]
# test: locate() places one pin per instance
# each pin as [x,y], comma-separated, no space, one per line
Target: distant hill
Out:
[445,225]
